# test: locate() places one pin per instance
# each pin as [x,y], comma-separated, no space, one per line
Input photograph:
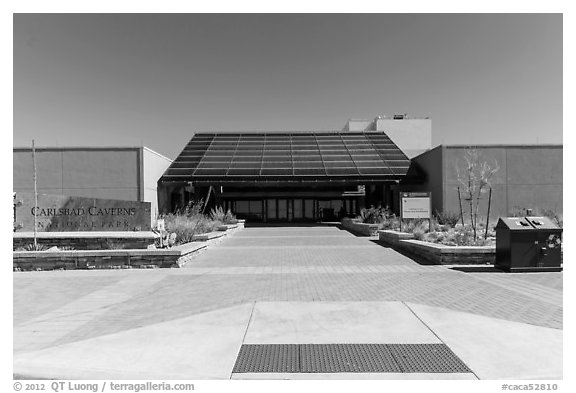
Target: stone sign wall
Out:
[59,213]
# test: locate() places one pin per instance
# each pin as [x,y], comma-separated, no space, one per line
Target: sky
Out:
[155,79]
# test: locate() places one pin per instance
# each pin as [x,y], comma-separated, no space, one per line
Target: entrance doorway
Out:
[293,209]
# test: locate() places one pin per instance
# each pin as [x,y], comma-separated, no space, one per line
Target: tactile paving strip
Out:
[277,358]
[348,358]
[427,358]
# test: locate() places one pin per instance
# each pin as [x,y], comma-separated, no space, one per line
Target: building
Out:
[326,175]
[300,175]
[294,176]
[529,177]
[413,135]
[124,173]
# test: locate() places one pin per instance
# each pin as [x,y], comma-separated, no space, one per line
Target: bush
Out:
[459,236]
[391,223]
[217,214]
[190,221]
[419,233]
[112,244]
[230,218]
[447,218]
[31,247]
[411,225]
[371,216]
[186,227]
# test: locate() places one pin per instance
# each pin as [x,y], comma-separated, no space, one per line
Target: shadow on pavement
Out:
[418,259]
[478,269]
[289,224]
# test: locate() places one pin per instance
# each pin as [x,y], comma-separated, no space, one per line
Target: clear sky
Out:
[120,80]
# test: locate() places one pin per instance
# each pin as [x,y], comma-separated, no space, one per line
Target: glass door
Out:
[298,212]
[271,209]
[282,209]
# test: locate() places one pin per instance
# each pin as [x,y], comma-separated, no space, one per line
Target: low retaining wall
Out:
[176,256]
[209,236]
[225,227]
[439,253]
[91,259]
[359,228]
[86,240]
[393,237]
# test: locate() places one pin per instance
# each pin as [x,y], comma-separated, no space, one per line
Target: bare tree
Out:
[475,177]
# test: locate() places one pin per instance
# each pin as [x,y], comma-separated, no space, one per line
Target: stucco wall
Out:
[529,177]
[430,163]
[111,173]
[359,125]
[413,136]
[154,167]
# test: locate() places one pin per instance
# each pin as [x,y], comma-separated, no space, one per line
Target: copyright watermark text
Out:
[102,386]
[530,386]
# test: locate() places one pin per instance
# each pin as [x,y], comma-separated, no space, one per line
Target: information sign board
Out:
[416,205]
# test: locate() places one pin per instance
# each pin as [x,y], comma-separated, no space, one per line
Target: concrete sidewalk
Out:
[205,346]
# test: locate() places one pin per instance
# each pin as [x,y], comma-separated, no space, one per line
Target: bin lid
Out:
[542,223]
[515,224]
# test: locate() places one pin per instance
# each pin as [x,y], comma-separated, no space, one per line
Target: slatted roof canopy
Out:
[313,156]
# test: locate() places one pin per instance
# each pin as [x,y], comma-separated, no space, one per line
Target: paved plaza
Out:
[282,285]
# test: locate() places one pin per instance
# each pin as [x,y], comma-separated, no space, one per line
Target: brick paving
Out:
[267,264]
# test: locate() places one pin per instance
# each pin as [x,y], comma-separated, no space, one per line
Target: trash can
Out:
[549,237]
[528,244]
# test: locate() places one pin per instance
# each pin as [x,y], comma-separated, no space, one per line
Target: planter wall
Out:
[176,256]
[202,237]
[94,259]
[393,237]
[438,253]
[353,225]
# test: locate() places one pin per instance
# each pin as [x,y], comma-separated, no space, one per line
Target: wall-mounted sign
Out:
[60,213]
[416,205]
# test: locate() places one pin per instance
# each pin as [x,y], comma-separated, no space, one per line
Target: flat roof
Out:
[503,145]
[289,156]
[90,148]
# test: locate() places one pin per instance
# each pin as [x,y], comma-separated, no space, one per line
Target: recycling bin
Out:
[549,237]
[528,244]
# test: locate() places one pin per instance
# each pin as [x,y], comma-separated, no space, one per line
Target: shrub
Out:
[217,214]
[418,233]
[230,218]
[392,223]
[411,225]
[31,247]
[371,216]
[431,237]
[192,209]
[377,215]
[187,223]
[459,236]
[112,244]
[447,218]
